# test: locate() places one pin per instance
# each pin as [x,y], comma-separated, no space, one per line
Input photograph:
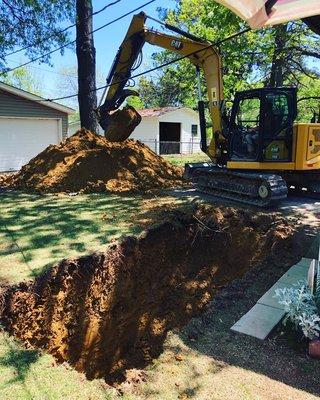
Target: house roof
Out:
[156,112]
[152,112]
[32,97]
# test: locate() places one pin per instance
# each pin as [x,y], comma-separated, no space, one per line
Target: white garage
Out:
[22,139]
[28,124]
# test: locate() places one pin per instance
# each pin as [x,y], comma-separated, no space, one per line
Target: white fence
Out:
[162,148]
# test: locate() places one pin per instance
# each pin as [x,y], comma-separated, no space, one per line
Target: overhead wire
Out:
[59,31]
[157,67]
[73,41]
[47,70]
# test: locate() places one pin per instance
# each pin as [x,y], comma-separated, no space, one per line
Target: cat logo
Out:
[177,44]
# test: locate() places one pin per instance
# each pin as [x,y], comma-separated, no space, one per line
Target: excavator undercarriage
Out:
[258,189]
[254,188]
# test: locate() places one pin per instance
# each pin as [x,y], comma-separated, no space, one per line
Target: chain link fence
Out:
[172,148]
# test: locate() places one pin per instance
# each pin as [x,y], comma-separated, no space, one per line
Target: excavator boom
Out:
[201,53]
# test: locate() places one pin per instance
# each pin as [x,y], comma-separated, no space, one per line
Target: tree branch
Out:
[310,54]
[302,69]
[12,11]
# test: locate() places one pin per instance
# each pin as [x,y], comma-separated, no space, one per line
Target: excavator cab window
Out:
[261,125]
[245,130]
[278,126]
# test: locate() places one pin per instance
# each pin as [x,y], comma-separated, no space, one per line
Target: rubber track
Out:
[310,194]
[239,186]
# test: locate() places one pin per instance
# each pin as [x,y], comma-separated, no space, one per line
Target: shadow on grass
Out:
[21,361]
[59,223]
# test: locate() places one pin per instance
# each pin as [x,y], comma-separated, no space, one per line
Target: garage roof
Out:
[40,100]
[157,112]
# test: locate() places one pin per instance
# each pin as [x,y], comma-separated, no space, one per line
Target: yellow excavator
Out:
[258,152]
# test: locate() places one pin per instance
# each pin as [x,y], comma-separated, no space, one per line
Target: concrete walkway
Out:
[267,313]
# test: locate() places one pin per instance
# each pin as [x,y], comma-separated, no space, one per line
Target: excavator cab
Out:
[261,125]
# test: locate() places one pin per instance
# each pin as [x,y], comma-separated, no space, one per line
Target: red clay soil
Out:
[122,123]
[4,178]
[110,311]
[87,162]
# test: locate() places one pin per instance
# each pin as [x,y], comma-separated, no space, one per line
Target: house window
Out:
[194,130]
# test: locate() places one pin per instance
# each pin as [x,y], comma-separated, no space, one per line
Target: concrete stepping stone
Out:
[267,312]
[259,321]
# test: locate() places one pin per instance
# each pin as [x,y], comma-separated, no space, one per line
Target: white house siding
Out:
[186,117]
[148,132]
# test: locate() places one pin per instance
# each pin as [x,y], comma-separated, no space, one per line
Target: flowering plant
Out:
[302,308]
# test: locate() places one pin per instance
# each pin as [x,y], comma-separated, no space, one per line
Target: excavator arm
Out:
[203,55]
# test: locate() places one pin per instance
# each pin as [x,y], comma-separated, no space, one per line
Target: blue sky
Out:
[107,42]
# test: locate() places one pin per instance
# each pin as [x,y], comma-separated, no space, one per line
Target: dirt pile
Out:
[4,178]
[110,311]
[87,163]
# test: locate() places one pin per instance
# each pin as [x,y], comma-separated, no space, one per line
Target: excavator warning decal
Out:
[214,94]
[313,143]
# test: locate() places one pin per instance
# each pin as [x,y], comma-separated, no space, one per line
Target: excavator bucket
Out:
[121,123]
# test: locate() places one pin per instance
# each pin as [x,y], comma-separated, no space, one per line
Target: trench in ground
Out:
[107,312]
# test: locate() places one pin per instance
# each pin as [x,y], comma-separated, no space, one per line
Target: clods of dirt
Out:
[87,162]
[109,312]
[4,179]
[121,124]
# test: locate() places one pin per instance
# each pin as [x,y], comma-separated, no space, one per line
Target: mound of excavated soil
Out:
[88,162]
[110,311]
[4,179]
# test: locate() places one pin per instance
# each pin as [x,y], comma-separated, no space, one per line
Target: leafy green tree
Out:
[23,79]
[270,57]
[34,25]
[136,102]
[159,91]
[310,92]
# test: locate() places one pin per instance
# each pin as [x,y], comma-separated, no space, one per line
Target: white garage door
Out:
[22,139]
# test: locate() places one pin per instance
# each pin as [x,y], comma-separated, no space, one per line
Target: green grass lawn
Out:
[181,160]
[35,233]
[38,231]
[31,375]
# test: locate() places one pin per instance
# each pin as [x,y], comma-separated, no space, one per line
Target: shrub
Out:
[302,308]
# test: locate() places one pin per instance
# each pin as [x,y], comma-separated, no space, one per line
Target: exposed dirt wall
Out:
[110,311]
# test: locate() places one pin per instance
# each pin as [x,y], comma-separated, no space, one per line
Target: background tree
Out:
[24,79]
[271,57]
[67,83]
[86,55]
[34,25]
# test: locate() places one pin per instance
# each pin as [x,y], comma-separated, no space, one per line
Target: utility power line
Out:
[73,41]
[216,44]
[47,70]
[58,32]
